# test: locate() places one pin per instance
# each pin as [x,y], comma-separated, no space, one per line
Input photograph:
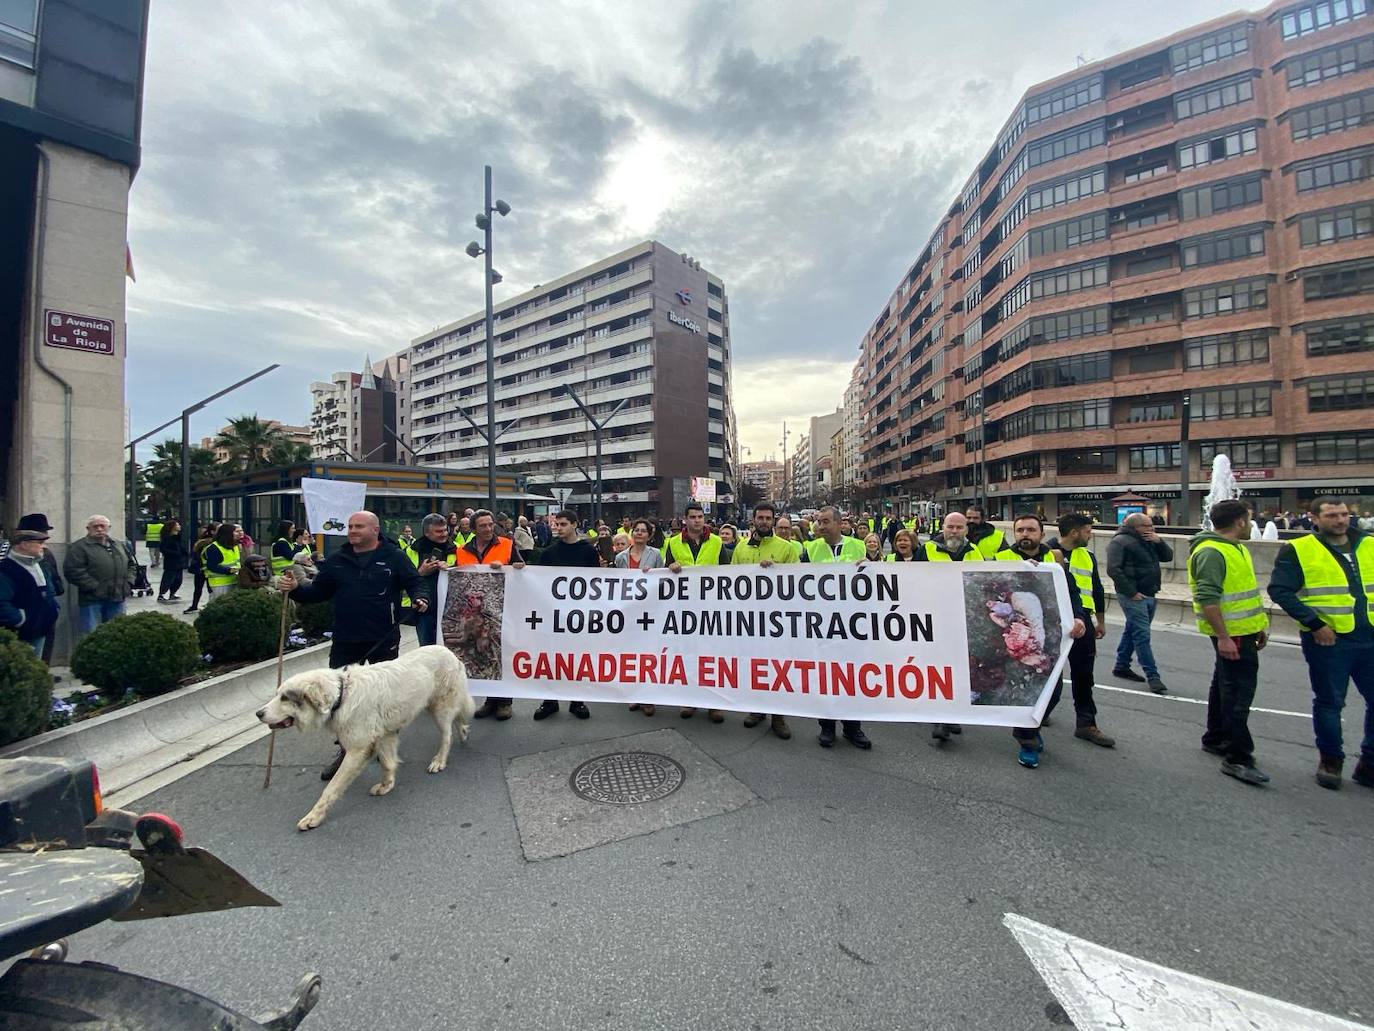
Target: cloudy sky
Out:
[310,169]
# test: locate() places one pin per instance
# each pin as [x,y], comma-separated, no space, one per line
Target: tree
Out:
[162,476]
[748,495]
[249,442]
[288,452]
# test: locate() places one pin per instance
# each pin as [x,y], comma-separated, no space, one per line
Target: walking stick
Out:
[281,656]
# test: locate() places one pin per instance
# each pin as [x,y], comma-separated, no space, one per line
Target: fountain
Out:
[1271,531]
[1223,487]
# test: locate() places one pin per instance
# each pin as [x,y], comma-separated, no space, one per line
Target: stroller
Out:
[142,588]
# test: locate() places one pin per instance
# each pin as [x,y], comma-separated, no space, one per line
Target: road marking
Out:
[1194,701]
[1102,988]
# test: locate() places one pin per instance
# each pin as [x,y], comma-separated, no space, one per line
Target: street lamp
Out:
[597,428]
[186,513]
[491,278]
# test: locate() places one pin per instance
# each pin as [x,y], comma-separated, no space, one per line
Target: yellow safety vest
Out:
[675,549]
[1326,585]
[935,553]
[230,558]
[413,553]
[851,550]
[1241,605]
[153,534]
[990,545]
[1081,569]
[281,565]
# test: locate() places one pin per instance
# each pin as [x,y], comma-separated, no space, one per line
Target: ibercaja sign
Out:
[78,332]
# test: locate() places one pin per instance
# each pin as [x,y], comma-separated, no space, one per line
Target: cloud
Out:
[309,179]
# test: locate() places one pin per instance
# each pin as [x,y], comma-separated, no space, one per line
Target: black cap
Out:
[34,521]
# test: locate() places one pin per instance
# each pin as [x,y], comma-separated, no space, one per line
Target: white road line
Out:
[1102,988]
[1193,701]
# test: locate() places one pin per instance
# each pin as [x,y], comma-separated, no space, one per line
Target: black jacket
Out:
[1133,564]
[27,609]
[427,587]
[174,557]
[1287,579]
[578,553]
[366,590]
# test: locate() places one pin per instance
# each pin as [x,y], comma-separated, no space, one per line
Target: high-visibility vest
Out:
[990,545]
[935,524]
[281,565]
[413,553]
[229,557]
[1081,569]
[935,553]
[675,549]
[1326,584]
[302,552]
[500,551]
[153,533]
[1241,605]
[851,550]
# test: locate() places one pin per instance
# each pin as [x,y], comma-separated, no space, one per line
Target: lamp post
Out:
[597,427]
[491,278]
[1185,503]
[186,514]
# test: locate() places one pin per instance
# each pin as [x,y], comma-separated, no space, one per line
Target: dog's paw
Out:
[309,821]
[381,789]
[437,766]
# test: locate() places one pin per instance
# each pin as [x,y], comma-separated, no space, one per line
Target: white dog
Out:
[366,707]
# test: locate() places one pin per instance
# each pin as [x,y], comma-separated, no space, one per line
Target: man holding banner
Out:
[832,546]
[762,547]
[694,546]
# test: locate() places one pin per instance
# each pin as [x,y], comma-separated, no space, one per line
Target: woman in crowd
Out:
[638,554]
[174,561]
[903,547]
[246,543]
[620,543]
[728,536]
[873,548]
[303,558]
[222,556]
[283,547]
[197,563]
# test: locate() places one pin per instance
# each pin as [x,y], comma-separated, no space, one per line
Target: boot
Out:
[488,709]
[1329,772]
[1089,732]
[1364,773]
[780,728]
[717,715]
[827,735]
[687,712]
[752,720]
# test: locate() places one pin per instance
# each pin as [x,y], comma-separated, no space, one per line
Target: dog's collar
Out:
[334,709]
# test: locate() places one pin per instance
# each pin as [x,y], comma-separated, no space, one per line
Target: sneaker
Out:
[1039,742]
[780,728]
[717,715]
[1091,733]
[1028,756]
[580,710]
[858,739]
[753,719]
[1329,772]
[940,732]
[1157,686]
[1128,674]
[488,708]
[187,612]
[545,710]
[1364,774]
[827,737]
[1245,774]
[505,712]
[687,712]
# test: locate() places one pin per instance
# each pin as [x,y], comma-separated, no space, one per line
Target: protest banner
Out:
[329,503]
[918,642]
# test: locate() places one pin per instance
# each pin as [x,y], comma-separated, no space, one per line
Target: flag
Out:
[129,262]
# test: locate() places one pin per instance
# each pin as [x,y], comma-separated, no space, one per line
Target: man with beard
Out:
[764,548]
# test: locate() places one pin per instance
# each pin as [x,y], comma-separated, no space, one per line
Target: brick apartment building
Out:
[1190,223]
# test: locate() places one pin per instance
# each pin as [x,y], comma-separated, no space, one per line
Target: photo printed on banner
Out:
[470,624]
[1014,636]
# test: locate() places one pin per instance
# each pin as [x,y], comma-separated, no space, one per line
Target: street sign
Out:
[1253,474]
[703,488]
[78,332]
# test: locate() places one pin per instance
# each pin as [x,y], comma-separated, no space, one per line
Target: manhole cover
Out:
[627,778]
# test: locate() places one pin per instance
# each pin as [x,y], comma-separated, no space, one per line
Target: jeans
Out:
[98,612]
[1228,701]
[37,646]
[427,627]
[1135,635]
[1330,670]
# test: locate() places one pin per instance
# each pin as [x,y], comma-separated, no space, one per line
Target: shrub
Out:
[241,624]
[315,618]
[147,653]
[25,690]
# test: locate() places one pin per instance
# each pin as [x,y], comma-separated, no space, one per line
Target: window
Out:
[1204,50]
[1236,89]
[1013,259]
[1342,279]
[1066,190]
[1302,19]
[1038,285]
[1245,453]
[1229,245]
[1074,232]
[1145,218]
[1336,449]
[1152,411]
[1330,63]
[1087,460]
[1214,198]
[1063,99]
[1073,370]
[1065,325]
[1244,348]
[1154,456]
[1336,225]
[1144,311]
[1060,418]
[971,227]
[1341,393]
[1155,263]
[1228,144]
[1023,467]
[18,28]
[1052,148]
[1151,359]
[1340,336]
[1152,168]
[1225,298]
[1339,169]
[1230,403]
[1328,116]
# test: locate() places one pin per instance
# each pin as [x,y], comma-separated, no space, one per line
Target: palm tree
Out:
[162,476]
[249,441]
[288,452]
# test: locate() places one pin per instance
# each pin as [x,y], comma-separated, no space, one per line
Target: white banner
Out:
[329,503]
[920,642]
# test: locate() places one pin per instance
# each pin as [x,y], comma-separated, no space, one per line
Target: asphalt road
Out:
[859,890]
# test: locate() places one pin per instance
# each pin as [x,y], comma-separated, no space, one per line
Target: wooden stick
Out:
[281,658]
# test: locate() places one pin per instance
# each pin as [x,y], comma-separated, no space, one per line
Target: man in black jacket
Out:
[365,578]
[1133,559]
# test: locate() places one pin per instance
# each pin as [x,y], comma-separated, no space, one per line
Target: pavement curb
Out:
[140,740]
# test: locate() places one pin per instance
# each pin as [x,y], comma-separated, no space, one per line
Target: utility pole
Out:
[597,428]
[1185,503]
[491,277]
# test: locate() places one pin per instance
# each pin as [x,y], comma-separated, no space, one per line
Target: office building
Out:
[358,416]
[1184,229]
[766,475]
[647,326]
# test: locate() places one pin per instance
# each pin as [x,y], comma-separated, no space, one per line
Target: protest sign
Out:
[329,503]
[937,642]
